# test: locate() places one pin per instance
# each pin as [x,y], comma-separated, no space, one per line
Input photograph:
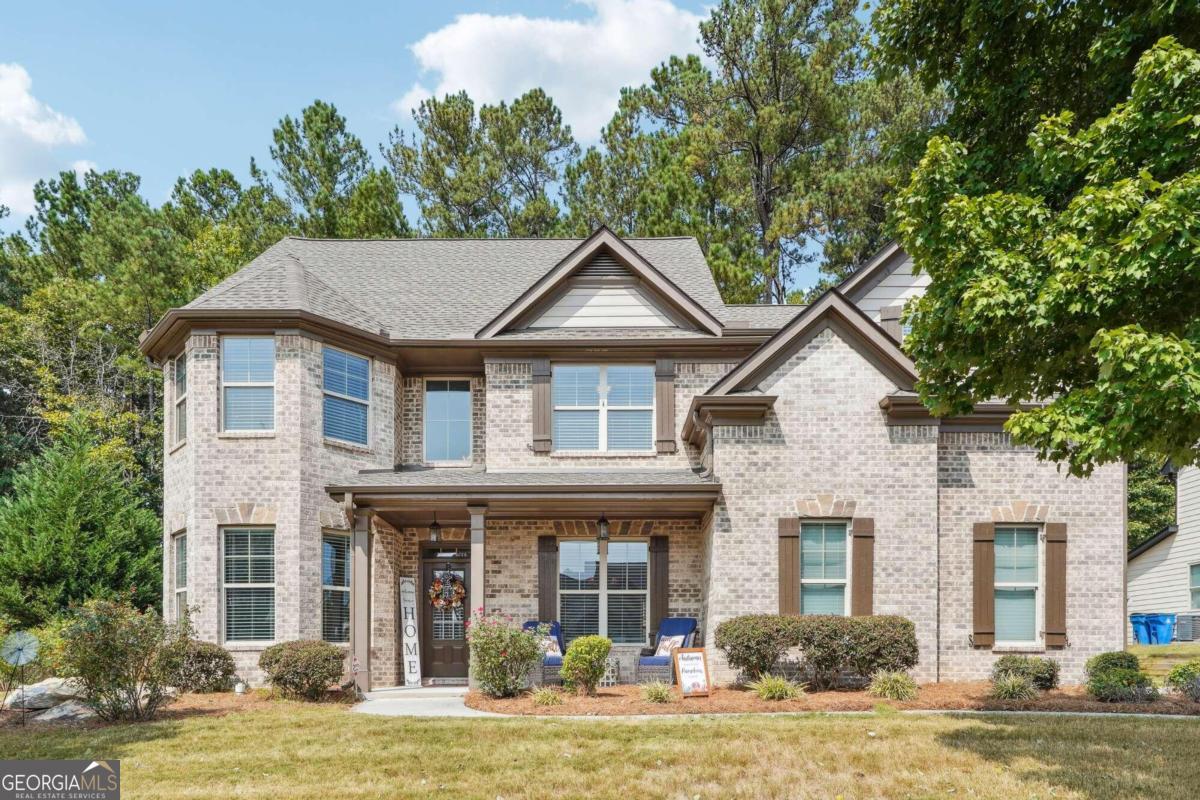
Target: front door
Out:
[444,651]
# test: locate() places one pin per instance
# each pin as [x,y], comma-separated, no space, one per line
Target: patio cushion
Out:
[553,661]
[555,633]
[654,661]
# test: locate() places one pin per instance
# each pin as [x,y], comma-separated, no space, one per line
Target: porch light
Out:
[602,529]
[435,530]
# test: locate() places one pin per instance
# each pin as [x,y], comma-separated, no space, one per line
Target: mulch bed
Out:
[964,696]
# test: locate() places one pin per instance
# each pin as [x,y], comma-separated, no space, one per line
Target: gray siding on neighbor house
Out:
[1157,580]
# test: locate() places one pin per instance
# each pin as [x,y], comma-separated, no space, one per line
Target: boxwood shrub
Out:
[584,663]
[755,642]
[1121,685]
[1118,659]
[204,667]
[1041,672]
[304,668]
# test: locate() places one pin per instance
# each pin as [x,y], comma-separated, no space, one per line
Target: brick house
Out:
[346,416]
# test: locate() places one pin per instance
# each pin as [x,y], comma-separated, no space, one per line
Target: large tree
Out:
[1080,291]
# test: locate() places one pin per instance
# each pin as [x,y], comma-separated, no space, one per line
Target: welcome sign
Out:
[691,671]
[409,639]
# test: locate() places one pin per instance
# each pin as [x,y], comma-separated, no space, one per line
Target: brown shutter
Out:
[664,405]
[862,566]
[660,578]
[542,440]
[789,565]
[1056,584]
[889,320]
[547,578]
[984,598]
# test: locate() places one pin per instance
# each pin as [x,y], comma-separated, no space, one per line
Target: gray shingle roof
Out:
[761,315]
[465,478]
[426,288]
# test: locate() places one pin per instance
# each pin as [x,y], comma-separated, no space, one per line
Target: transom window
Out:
[346,380]
[823,568]
[447,421]
[248,382]
[603,408]
[1017,586]
[1194,585]
[603,589]
[335,587]
[181,577]
[249,584]
[181,390]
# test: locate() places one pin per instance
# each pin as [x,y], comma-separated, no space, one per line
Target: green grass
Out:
[1158,659]
[302,751]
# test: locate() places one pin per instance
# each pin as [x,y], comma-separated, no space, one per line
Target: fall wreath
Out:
[447,591]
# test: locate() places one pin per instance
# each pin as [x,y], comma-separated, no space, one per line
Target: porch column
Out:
[360,603]
[477,555]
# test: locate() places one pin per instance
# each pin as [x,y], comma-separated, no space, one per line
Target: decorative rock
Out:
[70,711]
[43,694]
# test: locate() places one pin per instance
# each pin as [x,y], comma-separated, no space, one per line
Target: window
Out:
[181,398]
[248,378]
[447,422]
[346,380]
[335,588]
[180,577]
[603,408]
[1194,584]
[823,568]
[249,585]
[1016,584]
[603,589]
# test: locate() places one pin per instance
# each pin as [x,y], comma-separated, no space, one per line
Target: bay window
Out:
[181,576]
[1017,585]
[248,383]
[346,382]
[335,588]
[181,390]
[603,408]
[249,584]
[603,589]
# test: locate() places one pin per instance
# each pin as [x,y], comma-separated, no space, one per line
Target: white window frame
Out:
[179,437]
[602,407]
[248,643]
[470,459]
[326,587]
[348,398]
[248,385]
[1193,587]
[845,523]
[180,591]
[603,591]
[1039,588]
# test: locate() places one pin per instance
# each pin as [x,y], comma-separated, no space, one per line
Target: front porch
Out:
[526,545]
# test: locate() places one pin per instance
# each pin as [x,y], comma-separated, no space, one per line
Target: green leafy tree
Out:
[72,530]
[1082,290]
[1151,499]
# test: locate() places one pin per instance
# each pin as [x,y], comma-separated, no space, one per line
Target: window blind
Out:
[1195,585]
[335,588]
[346,381]
[248,372]
[249,584]
[1016,584]
[823,568]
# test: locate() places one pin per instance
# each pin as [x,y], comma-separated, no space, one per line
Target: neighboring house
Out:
[345,414]
[1163,575]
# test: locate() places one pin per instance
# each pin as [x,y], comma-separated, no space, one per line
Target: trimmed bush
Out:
[883,643]
[204,667]
[656,692]
[502,655]
[1013,686]
[754,643]
[1118,659]
[775,687]
[303,669]
[583,664]
[1042,672]
[547,696]
[892,685]
[1191,690]
[1183,674]
[1121,685]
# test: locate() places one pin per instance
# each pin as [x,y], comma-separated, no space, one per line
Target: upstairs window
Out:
[447,421]
[823,568]
[347,385]
[248,383]
[603,408]
[180,427]
[1017,584]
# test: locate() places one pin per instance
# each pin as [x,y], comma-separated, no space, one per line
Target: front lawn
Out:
[276,750]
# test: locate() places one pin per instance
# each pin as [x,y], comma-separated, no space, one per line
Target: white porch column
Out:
[477,555]
[360,602]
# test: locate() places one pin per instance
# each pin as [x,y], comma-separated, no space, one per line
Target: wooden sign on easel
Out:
[691,672]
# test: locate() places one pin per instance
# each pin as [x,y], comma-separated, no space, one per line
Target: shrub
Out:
[1013,686]
[123,658]
[584,662]
[754,643]
[204,667]
[892,685]
[1042,672]
[502,655]
[1191,690]
[1121,685]
[656,692]
[1119,659]
[883,643]
[304,668]
[775,687]
[1183,674]
[547,696]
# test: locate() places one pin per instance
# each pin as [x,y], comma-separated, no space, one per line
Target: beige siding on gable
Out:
[603,307]
[896,287]
[1157,580]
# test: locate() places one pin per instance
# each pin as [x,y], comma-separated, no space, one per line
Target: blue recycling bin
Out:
[1163,628]
[1141,628]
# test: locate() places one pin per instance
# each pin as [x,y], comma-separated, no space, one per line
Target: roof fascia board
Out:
[871,273]
[1158,538]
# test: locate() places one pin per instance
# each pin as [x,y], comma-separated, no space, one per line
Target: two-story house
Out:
[581,430]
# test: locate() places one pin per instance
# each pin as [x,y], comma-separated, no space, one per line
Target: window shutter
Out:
[789,565]
[1056,584]
[542,409]
[659,582]
[984,598]
[547,579]
[862,569]
[664,405]
[889,320]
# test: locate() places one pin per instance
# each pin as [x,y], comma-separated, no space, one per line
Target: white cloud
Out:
[31,137]
[582,64]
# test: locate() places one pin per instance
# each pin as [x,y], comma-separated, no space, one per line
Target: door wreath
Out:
[447,591]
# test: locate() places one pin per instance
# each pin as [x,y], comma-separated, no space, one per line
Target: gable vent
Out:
[603,265]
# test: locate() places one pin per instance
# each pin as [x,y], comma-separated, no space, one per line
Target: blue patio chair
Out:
[651,667]
[551,665]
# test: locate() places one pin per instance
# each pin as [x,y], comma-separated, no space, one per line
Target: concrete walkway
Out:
[428,701]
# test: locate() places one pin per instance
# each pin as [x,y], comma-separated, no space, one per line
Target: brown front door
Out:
[443,633]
